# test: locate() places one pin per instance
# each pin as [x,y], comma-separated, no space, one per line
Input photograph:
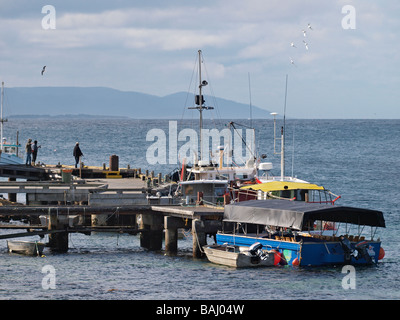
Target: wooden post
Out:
[58,242]
[171,236]
[151,238]
[171,225]
[199,238]
[12,196]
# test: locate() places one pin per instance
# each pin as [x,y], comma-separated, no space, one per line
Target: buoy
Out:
[277,257]
[381,253]
[295,262]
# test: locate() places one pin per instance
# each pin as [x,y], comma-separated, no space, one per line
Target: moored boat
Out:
[241,257]
[8,151]
[296,229]
[30,248]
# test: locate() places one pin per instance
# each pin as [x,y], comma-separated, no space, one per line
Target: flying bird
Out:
[309,27]
[292,62]
[292,45]
[306,44]
[304,33]
[44,68]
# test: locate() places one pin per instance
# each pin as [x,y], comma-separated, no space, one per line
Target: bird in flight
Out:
[306,44]
[309,27]
[44,68]
[292,45]
[292,62]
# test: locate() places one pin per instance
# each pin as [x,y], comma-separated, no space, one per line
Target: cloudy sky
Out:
[350,70]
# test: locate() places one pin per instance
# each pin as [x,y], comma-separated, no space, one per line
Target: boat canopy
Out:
[298,215]
[283,185]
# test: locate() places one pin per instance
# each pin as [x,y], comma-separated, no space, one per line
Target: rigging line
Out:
[188,90]
[212,91]
[252,153]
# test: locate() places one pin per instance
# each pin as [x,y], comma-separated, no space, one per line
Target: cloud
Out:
[151,46]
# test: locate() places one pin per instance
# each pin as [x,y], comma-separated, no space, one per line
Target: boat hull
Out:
[305,253]
[6,159]
[232,256]
[30,248]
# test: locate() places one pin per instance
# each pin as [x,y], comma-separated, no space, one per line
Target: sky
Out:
[350,69]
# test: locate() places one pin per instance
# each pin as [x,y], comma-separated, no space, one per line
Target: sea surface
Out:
[357,159]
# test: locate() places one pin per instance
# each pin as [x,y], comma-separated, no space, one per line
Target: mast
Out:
[1,114]
[282,138]
[199,100]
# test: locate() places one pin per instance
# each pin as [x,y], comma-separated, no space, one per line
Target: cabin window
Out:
[219,191]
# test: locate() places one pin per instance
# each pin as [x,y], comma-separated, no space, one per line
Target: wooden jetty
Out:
[58,208]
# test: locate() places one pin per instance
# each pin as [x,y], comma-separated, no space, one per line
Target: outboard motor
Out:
[349,251]
[256,253]
[359,250]
[361,247]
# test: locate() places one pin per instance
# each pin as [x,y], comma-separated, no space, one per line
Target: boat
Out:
[306,234]
[207,182]
[8,151]
[241,257]
[30,248]
[292,191]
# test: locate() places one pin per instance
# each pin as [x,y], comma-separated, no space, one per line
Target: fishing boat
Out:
[241,257]
[207,179]
[30,248]
[292,191]
[8,151]
[306,234]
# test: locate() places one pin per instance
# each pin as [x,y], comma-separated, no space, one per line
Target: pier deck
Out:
[105,204]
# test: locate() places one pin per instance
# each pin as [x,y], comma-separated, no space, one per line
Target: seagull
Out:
[306,44]
[304,33]
[292,45]
[44,68]
[292,62]
[309,27]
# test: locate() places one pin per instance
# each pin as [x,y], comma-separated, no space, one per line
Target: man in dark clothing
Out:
[35,148]
[77,154]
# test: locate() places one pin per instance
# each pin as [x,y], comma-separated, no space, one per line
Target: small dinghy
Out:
[30,248]
[239,257]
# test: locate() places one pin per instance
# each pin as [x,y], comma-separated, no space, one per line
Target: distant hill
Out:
[100,101]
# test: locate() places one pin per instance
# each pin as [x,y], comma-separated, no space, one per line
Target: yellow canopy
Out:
[283,185]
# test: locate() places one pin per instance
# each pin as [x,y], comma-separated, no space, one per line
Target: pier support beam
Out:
[199,238]
[152,237]
[171,225]
[200,230]
[12,196]
[58,242]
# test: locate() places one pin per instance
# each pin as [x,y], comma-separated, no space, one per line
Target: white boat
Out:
[30,248]
[8,152]
[240,257]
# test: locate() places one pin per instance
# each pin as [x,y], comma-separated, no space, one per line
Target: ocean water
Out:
[357,159]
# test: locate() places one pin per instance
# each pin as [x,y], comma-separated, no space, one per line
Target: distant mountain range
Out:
[101,101]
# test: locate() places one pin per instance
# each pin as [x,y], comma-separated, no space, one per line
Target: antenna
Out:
[251,111]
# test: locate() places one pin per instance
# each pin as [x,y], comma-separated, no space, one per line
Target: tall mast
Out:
[199,100]
[1,116]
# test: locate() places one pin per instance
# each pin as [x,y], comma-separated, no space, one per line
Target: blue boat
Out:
[305,234]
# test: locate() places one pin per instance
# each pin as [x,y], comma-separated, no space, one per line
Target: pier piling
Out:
[58,242]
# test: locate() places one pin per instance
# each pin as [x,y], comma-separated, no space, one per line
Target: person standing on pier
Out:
[77,154]
[35,148]
[28,150]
